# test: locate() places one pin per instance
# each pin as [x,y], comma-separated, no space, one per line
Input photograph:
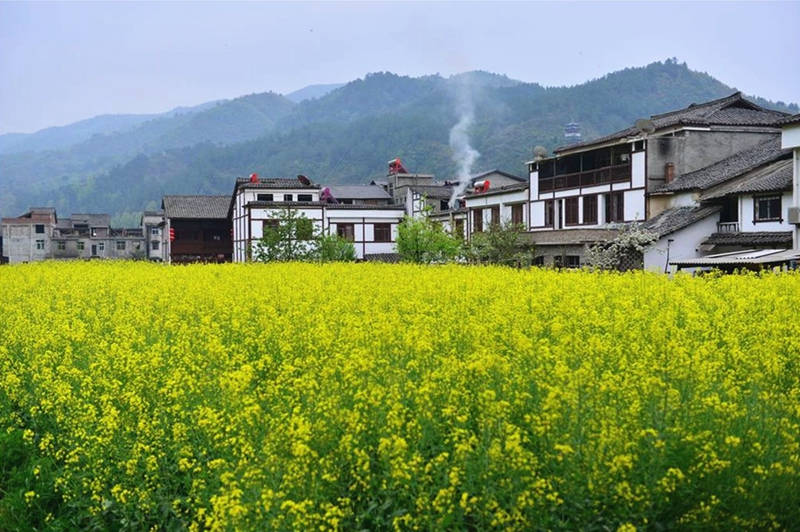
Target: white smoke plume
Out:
[464,155]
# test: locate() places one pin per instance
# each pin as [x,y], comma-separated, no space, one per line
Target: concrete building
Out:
[153,229]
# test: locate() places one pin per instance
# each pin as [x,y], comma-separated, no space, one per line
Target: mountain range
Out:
[335,134]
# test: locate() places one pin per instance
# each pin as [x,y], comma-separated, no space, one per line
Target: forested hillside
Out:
[345,136]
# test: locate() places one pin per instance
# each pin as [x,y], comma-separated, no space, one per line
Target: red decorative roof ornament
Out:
[254,177]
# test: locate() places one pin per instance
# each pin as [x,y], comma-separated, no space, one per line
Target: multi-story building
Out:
[153,229]
[197,229]
[594,186]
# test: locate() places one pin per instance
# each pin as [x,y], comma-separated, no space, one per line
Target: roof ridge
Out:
[737,96]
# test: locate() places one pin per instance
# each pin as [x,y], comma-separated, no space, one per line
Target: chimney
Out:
[669,172]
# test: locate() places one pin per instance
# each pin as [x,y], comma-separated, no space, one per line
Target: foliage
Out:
[293,237]
[345,136]
[365,396]
[623,252]
[501,243]
[333,248]
[424,241]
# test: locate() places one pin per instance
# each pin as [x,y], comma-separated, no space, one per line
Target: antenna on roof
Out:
[644,126]
[304,180]
[539,152]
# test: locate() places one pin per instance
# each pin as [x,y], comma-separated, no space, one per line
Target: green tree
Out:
[501,243]
[292,237]
[423,241]
[333,248]
[623,252]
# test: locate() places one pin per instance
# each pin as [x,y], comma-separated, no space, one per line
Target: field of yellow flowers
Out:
[384,397]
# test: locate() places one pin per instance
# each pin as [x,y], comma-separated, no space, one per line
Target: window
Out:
[590,209]
[287,197]
[102,246]
[538,261]
[496,215]
[269,225]
[304,197]
[571,211]
[154,245]
[383,232]
[615,207]
[444,205]
[516,215]
[264,197]
[477,220]
[120,245]
[549,212]
[154,231]
[40,229]
[346,231]
[573,261]
[767,209]
[40,244]
[61,246]
[81,246]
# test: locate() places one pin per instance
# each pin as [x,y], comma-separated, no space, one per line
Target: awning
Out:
[761,257]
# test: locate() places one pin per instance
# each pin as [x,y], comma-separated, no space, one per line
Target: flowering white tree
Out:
[625,251]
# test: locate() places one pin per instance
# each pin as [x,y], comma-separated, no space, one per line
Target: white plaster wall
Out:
[534,184]
[685,245]
[746,215]
[634,205]
[790,136]
[638,169]
[537,214]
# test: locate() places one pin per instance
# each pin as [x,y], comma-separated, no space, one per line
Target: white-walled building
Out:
[600,184]
[256,204]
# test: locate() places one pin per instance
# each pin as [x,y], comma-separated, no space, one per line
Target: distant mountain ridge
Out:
[344,135]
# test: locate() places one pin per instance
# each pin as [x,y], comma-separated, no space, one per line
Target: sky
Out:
[64,61]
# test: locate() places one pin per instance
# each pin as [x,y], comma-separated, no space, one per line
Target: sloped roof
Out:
[760,238]
[392,258]
[774,177]
[196,207]
[729,168]
[792,119]
[270,182]
[490,172]
[741,258]
[319,204]
[362,192]
[572,236]
[675,219]
[92,220]
[434,191]
[516,187]
[733,110]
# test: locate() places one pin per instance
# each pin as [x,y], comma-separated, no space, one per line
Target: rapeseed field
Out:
[390,397]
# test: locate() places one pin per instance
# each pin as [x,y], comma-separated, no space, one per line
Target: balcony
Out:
[602,176]
[727,227]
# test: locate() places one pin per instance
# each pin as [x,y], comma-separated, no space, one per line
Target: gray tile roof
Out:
[733,166]
[196,207]
[763,238]
[359,192]
[792,119]
[499,190]
[675,219]
[270,182]
[332,206]
[434,191]
[392,258]
[490,172]
[774,177]
[733,110]
[571,236]
[92,220]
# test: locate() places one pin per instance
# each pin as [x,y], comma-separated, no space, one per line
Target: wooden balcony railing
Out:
[602,176]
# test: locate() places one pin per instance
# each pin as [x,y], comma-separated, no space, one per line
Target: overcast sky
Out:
[65,61]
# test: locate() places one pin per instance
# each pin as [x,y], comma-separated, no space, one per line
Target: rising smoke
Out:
[464,155]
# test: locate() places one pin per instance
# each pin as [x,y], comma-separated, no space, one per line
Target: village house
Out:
[196,229]
[256,202]
[598,185]
[39,235]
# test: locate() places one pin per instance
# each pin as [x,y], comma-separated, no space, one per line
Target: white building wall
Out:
[685,245]
[634,205]
[747,223]
[638,169]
